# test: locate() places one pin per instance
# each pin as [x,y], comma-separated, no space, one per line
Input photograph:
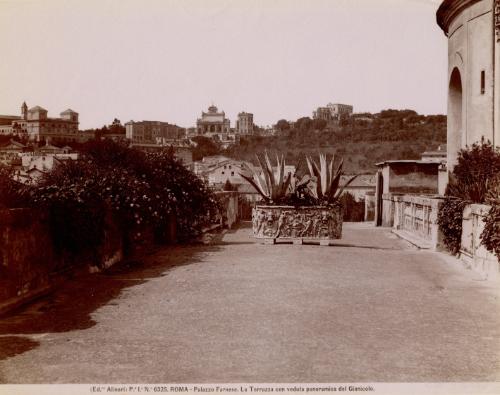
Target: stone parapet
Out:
[30,265]
[415,219]
[472,252]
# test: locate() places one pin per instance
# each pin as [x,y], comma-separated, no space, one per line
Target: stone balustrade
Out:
[472,252]
[414,218]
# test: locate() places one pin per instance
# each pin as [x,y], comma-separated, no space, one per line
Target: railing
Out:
[415,216]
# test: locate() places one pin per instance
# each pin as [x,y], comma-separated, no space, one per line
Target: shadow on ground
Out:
[70,306]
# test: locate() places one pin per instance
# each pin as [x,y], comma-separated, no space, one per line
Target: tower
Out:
[24,111]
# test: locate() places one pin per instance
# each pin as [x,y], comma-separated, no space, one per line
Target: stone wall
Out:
[472,252]
[370,206]
[30,266]
[387,209]
[412,178]
[415,218]
[230,209]
[27,259]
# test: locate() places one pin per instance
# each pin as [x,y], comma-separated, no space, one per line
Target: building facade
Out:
[40,126]
[213,121]
[153,132]
[340,111]
[244,124]
[323,113]
[473,31]
[35,125]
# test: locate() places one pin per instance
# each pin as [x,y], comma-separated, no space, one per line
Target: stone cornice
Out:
[449,10]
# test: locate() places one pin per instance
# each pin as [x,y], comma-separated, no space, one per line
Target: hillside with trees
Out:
[362,140]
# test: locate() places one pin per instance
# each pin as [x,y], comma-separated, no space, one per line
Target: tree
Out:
[304,124]
[116,127]
[283,125]
[319,124]
[204,147]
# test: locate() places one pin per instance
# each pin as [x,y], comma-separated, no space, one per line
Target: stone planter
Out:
[297,224]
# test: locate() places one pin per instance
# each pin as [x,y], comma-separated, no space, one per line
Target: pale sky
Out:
[169,60]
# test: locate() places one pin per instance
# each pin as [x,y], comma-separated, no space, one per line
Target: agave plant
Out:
[327,189]
[273,187]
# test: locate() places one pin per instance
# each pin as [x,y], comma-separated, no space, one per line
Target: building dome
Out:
[212,109]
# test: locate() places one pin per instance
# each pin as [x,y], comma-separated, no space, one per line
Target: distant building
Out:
[268,131]
[15,124]
[244,124]
[29,165]
[191,132]
[323,113]
[363,117]
[153,132]
[340,111]
[438,155]
[360,187]
[403,177]
[217,170]
[35,125]
[213,122]
[226,171]
[473,31]
[40,126]
[116,131]
[45,162]
[10,153]
[182,150]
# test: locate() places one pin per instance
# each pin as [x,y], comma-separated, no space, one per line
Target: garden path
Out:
[370,308]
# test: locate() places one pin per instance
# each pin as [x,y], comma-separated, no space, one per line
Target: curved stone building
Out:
[472,28]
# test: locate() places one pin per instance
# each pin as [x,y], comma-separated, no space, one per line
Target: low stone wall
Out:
[26,256]
[414,218]
[388,207]
[472,252]
[29,265]
[230,209]
[418,215]
[370,202]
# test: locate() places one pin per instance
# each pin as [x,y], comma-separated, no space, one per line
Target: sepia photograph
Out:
[250,196]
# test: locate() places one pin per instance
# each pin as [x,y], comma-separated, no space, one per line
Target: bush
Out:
[140,190]
[472,178]
[13,194]
[353,211]
[450,223]
[490,236]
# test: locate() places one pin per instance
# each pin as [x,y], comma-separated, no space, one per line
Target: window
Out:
[232,173]
[222,172]
[483,82]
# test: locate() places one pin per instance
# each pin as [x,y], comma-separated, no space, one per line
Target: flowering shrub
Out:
[12,193]
[490,236]
[140,190]
[471,181]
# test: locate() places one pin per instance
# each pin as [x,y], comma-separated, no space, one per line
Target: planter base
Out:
[321,242]
[297,225]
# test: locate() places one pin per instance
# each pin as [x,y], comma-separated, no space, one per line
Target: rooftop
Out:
[449,10]
[37,108]
[415,161]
